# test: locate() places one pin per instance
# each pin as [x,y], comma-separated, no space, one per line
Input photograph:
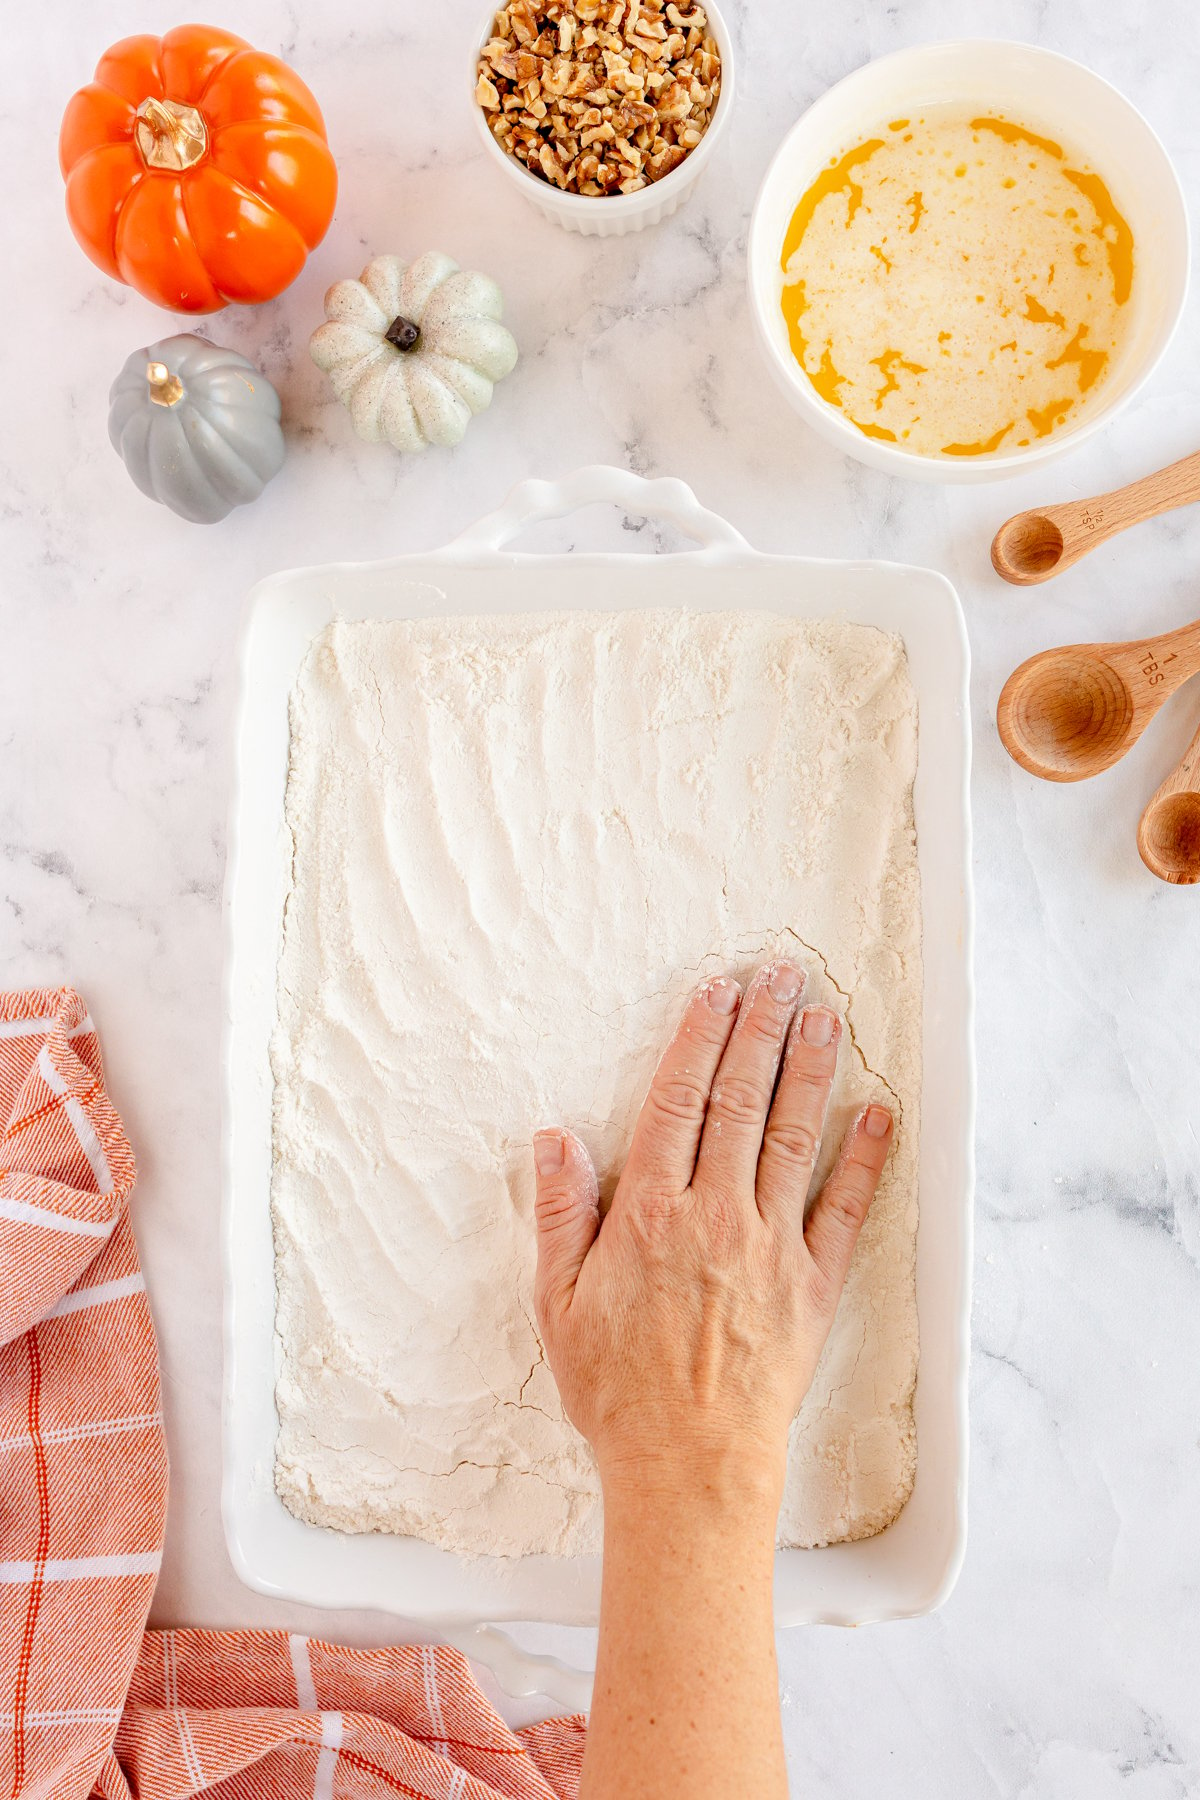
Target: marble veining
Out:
[1066,1665]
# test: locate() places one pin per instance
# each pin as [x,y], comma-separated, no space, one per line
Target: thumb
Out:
[567,1214]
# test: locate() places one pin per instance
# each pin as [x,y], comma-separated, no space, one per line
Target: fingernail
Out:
[723,994]
[816,1026]
[876,1122]
[548,1152]
[784,983]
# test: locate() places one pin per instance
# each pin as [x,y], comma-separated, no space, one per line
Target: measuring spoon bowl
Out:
[1168,836]
[1071,713]
[1067,715]
[1027,548]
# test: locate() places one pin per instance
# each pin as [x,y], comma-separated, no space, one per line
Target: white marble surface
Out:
[1067,1663]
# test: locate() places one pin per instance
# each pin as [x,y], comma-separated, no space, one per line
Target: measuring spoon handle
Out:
[1153,668]
[1174,655]
[1186,773]
[1086,523]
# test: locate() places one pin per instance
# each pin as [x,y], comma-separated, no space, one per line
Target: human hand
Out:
[684,1329]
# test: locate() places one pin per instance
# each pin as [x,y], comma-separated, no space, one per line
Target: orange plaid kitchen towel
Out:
[91,1704]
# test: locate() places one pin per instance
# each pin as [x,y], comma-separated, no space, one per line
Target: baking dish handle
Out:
[664,497]
[522,1672]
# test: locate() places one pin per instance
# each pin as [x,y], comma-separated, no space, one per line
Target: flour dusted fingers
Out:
[667,1136]
[797,1117]
[841,1208]
[745,1080]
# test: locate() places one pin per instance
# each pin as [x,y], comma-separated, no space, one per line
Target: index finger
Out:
[667,1134]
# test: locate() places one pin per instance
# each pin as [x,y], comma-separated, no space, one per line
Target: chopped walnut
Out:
[599,97]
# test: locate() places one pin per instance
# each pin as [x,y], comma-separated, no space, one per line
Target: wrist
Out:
[706,1489]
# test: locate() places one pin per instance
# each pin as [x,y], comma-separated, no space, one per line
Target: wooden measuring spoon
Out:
[1169,830]
[1070,713]
[1032,546]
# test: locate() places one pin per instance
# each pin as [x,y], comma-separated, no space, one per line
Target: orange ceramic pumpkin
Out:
[197,169]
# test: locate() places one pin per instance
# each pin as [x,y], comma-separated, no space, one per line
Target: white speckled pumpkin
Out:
[414,349]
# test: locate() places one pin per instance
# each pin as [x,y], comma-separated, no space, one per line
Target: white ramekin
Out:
[1033,86]
[615,214]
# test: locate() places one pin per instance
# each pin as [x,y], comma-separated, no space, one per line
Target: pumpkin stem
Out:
[402,333]
[170,134]
[165,389]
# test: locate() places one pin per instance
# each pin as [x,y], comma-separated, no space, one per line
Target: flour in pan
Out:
[518,844]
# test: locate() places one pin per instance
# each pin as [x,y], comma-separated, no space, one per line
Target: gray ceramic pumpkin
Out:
[196,426]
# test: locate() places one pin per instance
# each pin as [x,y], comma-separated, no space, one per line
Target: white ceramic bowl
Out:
[1035,87]
[615,214]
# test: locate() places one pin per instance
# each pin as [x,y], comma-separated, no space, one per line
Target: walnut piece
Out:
[599,97]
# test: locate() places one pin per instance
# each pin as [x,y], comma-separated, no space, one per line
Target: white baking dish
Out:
[911,1567]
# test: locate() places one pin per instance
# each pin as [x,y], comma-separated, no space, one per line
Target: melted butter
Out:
[1111,228]
[885,364]
[1017,134]
[1091,362]
[983,448]
[837,179]
[1044,419]
[1037,313]
[959,284]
